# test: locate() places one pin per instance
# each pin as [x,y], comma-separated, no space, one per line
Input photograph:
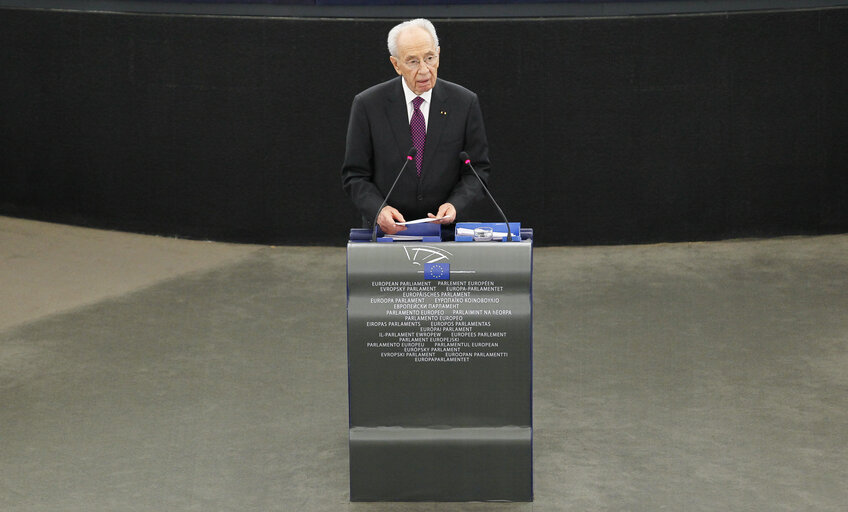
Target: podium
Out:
[440,370]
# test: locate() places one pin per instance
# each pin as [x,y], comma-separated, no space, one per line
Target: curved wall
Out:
[602,130]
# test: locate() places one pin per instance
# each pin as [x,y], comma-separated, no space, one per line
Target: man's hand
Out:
[387,218]
[447,211]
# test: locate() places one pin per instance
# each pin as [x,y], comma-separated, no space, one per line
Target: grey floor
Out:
[153,374]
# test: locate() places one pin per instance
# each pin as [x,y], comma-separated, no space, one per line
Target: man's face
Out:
[417,60]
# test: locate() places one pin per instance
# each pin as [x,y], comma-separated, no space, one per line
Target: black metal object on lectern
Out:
[440,370]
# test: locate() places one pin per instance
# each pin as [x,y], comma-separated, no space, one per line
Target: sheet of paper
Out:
[419,221]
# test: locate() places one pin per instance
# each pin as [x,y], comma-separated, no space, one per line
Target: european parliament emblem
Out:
[437,270]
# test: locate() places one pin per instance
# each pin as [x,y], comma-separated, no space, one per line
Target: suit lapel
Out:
[396,113]
[435,127]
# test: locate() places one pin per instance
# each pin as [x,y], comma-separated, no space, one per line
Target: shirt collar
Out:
[409,95]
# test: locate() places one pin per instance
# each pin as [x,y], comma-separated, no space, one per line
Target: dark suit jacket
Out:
[378,141]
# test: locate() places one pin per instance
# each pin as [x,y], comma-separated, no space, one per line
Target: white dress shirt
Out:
[425,107]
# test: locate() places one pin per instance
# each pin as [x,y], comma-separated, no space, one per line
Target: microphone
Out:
[410,155]
[467,161]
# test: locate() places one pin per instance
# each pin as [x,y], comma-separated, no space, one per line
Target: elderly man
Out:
[439,118]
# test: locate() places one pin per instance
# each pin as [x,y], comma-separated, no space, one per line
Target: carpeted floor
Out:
[147,374]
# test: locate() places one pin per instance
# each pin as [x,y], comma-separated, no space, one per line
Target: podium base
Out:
[451,464]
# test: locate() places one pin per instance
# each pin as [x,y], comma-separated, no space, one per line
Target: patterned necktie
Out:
[418,130]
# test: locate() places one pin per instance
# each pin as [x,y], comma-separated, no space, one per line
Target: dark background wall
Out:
[602,130]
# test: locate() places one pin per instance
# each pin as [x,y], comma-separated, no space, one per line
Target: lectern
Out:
[440,370]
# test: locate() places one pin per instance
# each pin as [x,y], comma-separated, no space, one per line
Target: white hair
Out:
[394,33]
